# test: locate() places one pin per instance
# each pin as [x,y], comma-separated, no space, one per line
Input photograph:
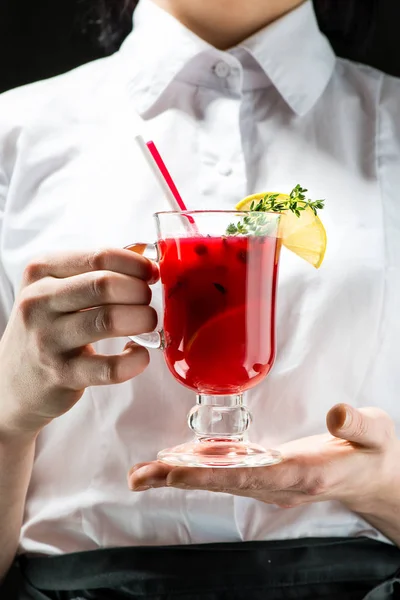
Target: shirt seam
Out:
[216,89]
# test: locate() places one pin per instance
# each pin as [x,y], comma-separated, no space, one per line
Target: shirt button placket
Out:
[224,174]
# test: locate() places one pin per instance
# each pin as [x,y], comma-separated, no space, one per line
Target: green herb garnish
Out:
[261,224]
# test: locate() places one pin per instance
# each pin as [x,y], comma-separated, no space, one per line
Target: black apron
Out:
[315,568]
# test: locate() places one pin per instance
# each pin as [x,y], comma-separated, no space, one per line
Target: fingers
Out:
[247,480]
[215,479]
[93,289]
[146,475]
[79,329]
[368,427]
[90,369]
[116,260]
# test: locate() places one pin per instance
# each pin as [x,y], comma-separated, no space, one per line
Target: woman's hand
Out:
[357,463]
[66,303]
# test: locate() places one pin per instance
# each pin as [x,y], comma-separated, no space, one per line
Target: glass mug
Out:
[218,334]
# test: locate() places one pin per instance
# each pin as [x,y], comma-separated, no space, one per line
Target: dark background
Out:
[41,38]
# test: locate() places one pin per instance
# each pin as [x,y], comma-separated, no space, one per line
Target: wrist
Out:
[17,428]
[383,514]
[13,436]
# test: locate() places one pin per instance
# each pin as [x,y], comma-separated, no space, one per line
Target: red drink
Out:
[219,315]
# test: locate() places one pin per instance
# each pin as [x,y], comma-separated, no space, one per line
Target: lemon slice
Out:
[304,235]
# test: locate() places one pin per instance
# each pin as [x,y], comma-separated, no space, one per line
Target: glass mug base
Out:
[217,453]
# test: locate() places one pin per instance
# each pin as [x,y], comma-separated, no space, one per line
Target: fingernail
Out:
[142,474]
[339,418]
[141,488]
[155,273]
[135,468]
[347,419]
[140,470]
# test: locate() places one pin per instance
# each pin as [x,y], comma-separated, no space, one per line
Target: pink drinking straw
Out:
[166,174]
[161,173]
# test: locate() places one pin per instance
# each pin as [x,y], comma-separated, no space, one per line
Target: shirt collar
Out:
[292,52]
[296,57]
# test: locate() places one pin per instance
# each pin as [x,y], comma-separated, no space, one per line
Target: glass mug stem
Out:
[219,418]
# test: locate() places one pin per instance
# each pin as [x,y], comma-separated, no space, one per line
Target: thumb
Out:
[369,427]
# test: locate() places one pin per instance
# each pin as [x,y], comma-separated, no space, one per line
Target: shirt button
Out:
[222,69]
[224,169]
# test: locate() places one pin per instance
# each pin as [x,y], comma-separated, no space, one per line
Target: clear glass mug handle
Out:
[155,339]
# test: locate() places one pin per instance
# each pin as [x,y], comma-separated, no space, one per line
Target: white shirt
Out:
[278,110]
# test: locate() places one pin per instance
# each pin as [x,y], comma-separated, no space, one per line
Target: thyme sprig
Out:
[260,224]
